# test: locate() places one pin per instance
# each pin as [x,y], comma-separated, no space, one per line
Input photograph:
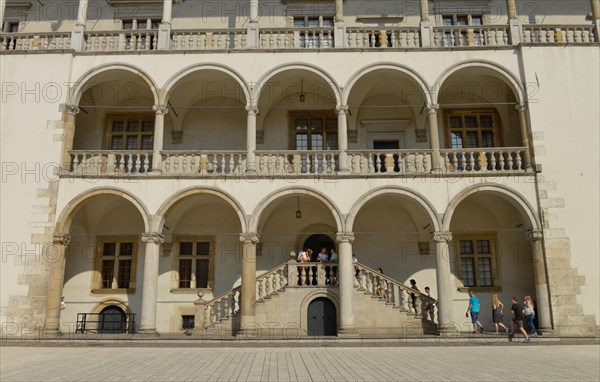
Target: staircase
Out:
[284,292]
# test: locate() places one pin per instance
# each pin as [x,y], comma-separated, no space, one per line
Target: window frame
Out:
[462,36]
[99,258]
[494,262]
[128,117]
[310,115]
[496,129]
[194,257]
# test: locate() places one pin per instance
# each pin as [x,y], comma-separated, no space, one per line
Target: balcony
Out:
[296,164]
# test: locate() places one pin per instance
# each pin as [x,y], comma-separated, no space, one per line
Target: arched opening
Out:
[321,317]
[112,320]
[317,242]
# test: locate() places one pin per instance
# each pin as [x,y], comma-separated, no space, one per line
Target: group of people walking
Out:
[520,312]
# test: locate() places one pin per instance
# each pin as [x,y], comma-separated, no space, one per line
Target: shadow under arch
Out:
[356,76]
[493,69]
[64,220]
[175,79]
[264,79]
[86,80]
[293,190]
[511,196]
[158,222]
[383,190]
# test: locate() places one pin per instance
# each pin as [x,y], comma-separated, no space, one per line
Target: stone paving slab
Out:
[516,361]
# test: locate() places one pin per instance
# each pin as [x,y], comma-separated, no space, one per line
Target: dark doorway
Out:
[112,320]
[318,241]
[322,317]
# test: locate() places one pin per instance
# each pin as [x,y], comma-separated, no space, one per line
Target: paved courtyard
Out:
[476,362]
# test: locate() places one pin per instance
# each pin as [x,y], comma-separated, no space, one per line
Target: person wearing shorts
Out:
[517,320]
[473,309]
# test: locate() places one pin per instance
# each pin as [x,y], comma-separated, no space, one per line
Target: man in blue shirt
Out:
[473,309]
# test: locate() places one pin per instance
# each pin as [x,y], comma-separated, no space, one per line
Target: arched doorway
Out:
[318,241]
[112,320]
[322,318]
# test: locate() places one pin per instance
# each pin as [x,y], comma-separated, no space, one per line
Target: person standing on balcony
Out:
[333,257]
[322,257]
[473,309]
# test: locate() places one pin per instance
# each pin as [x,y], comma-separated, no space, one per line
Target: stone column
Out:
[164,29]
[596,18]
[434,137]
[339,32]
[514,25]
[251,139]
[153,241]
[248,300]
[522,109]
[346,284]
[68,120]
[252,37]
[445,285]
[55,255]
[159,133]
[2,11]
[541,285]
[426,25]
[342,137]
[77,37]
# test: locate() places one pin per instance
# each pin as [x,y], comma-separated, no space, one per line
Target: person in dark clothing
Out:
[518,317]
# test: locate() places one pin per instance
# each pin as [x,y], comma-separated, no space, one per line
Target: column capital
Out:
[521,108]
[252,110]
[342,109]
[153,237]
[534,235]
[249,238]
[160,109]
[63,240]
[432,109]
[442,236]
[344,237]
[70,109]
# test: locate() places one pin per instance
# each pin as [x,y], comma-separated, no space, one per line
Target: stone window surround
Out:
[175,289]
[96,281]
[496,280]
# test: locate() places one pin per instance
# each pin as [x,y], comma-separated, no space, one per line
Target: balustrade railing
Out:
[401,296]
[500,159]
[296,38]
[363,38]
[306,275]
[389,162]
[35,41]
[124,40]
[471,35]
[202,163]
[291,162]
[206,39]
[557,34]
[104,162]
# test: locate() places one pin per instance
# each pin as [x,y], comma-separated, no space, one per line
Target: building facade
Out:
[164,163]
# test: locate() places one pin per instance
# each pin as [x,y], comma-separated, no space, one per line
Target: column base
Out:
[541,331]
[247,334]
[448,331]
[348,333]
[147,333]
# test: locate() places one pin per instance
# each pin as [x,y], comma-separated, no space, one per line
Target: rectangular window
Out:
[314,38]
[459,37]
[477,262]
[195,265]
[135,132]
[187,322]
[115,263]
[322,134]
[472,129]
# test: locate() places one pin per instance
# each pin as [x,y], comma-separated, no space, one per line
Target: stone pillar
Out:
[153,241]
[248,300]
[339,32]
[522,109]
[514,25]
[596,18]
[253,34]
[444,281]
[541,285]
[77,34]
[68,120]
[159,133]
[56,257]
[342,137]
[164,29]
[2,11]
[434,137]
[346,284]
[426,25]
[251,139]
